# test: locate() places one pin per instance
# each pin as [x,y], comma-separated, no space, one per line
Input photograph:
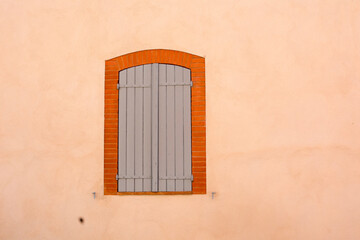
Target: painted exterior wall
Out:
[283,119]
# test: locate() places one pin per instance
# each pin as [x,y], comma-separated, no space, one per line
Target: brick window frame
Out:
[196,64]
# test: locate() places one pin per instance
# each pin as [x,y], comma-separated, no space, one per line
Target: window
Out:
[155,139]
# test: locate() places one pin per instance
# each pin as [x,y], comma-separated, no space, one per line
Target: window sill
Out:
[150,193]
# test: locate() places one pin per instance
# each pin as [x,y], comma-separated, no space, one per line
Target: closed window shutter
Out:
[154,129]
[174,129]
[135,129]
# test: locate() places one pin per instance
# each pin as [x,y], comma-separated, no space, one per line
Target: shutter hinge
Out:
[192,177]
[191,83]
[117,176]
[117,86]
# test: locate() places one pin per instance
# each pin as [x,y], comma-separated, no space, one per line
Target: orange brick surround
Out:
[197,66]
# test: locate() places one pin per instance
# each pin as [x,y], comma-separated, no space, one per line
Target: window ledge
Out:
[150,193]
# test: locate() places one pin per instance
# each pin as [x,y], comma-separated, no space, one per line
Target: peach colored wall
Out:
[283,119]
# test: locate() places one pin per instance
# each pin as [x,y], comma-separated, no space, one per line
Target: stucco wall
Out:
[283,119]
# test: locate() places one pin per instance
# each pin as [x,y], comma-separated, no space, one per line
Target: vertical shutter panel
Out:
[130,130]
[187,130]
[170,128]
[162,127]
[135,129]
[147,128]
[139,127]
[122,132]
[175,129]
[179,129]
[155,125]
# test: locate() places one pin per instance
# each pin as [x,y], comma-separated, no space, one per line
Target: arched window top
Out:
[166,56]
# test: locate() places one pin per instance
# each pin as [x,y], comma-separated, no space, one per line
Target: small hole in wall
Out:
[81,220]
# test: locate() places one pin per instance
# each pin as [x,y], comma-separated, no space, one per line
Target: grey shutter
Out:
[154,129]
[174,128]
[134,171]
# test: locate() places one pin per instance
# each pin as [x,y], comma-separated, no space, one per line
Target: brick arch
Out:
[156,56]
[196,64]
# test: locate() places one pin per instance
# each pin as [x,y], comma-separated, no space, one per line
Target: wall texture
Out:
[283,119]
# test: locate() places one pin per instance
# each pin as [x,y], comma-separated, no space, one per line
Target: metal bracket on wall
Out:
[213,195]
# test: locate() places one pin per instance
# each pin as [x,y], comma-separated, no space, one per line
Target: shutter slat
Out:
[170,128]
[147,128]
[187,130]
[162,127]
[139,77]
[179,129]
[130,134]
[122,133]
[155,125]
